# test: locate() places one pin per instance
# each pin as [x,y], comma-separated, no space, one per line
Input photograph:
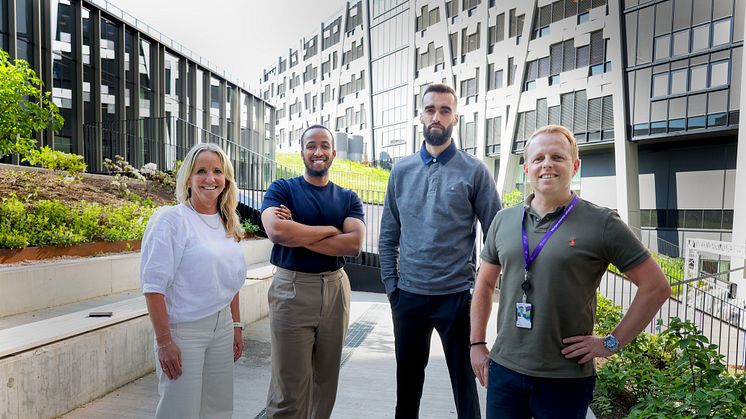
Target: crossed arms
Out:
[326,240]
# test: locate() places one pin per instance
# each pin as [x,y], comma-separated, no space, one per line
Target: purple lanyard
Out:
[531,258]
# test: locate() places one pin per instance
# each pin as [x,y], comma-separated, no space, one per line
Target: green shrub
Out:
[52,223]
[512,198]
[167,179]
[249,227]
[12,223]
[56,160]
[120,166]
[676,373]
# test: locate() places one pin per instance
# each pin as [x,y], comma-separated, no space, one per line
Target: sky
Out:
[241,37]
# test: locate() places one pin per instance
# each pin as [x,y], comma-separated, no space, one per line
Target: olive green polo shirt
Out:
[564,278]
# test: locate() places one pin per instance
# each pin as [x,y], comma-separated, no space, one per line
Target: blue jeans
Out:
[514,395]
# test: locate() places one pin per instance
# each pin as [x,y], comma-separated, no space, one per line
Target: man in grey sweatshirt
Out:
[427,250]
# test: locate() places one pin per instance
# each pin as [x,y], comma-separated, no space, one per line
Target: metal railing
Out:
[711,309]
[165,140]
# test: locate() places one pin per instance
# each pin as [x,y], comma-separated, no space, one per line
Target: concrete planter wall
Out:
[30,288]
[81,250]
[48,380]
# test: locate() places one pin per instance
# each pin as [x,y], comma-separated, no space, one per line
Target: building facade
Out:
[124,88]
[651,89]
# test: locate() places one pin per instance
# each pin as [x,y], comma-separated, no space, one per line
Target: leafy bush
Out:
[167,179]
[52,223]
[26,108]
[676,373]
[122,167]
[56,160]
[249,227]
[512,198]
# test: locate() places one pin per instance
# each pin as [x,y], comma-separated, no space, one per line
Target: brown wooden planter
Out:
[48,252]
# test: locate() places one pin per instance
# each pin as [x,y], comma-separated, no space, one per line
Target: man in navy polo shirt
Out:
[427,250]
[313,224]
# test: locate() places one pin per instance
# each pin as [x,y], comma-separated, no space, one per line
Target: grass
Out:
[368,182]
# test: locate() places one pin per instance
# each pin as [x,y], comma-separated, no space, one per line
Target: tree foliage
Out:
[24,107]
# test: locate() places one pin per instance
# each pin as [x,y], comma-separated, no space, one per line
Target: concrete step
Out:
[65,359]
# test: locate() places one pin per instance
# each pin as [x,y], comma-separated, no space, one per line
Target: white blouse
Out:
[197,268]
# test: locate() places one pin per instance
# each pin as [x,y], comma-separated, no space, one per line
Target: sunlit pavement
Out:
[367,387]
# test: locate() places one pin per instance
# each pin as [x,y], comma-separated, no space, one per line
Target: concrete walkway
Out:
[367,386]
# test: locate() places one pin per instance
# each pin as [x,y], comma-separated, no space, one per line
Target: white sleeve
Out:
[162,248]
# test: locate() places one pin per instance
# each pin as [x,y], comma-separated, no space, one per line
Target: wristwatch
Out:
[611,343]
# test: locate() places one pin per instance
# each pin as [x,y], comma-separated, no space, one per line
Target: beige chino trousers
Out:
[308,315]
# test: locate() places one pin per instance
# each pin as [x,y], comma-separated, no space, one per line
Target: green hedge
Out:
[676,373]
[52,223]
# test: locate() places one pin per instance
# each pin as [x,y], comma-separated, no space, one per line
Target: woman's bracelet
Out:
[165,344]
[477,344]
[238,325]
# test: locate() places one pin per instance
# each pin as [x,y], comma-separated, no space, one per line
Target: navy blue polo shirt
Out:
[314,206]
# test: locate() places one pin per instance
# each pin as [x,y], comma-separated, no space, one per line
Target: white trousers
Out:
[205,387]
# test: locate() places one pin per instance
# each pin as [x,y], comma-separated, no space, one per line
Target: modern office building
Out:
[651,89]
[124,88]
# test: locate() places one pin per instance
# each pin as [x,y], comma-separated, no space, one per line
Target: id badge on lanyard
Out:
[524,311]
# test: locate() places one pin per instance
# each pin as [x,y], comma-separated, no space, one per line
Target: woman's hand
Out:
[169,356]
[237,343]
[282,212]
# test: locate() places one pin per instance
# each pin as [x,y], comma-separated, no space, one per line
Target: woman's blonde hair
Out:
[554,129]
[227,200]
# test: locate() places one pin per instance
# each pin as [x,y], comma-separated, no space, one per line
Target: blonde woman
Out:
[191,270]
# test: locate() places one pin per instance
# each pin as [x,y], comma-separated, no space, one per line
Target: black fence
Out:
[165,140]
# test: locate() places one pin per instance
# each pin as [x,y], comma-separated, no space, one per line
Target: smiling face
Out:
[438,117]
[318,152]
[206,182]
[550,164]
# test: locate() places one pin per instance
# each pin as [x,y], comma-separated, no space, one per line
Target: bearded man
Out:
[427,251]
[313,224]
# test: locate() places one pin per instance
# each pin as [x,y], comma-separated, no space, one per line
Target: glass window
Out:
[109,70]
[717,101]
[4,41]
[717,120]
[697,105]
[722,8]
[712,219]
[678,81]
[721,32]
[658,127]
[660,84]
[682,14]
[662,47]
[698,78]
[700,38]
[719,73]
[681,43]
[677,124]
[644,35]
[702,11]
[696,122]
[663,17]
[677,107]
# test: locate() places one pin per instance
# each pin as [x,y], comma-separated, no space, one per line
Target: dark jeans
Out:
[514,395]
[415,316]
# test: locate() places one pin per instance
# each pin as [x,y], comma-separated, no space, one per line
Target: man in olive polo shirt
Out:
[552,252]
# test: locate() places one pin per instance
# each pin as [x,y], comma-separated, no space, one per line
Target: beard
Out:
[435,138]
[310,171]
